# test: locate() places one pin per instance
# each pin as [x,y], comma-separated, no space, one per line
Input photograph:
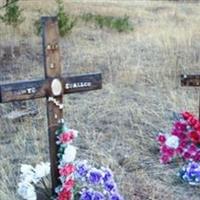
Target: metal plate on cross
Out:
[190,80]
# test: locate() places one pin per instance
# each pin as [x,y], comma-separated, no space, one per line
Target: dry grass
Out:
[141,89]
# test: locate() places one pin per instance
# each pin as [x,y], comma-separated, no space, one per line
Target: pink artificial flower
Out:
[181,126]
[196,157]
[161,138]
[179,133]
[167,150]
[67,137]
[179,150]
[187,155]
[67,170]
[183,144]
[164,159]
[69,184]
[192,149]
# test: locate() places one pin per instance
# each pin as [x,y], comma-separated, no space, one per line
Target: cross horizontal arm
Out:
[82,83]
[190,80]
[24,90]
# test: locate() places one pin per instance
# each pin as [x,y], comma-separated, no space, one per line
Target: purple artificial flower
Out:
[191,173]
[193,170]
[98,196]
[115,196]
[107,175]
[82,170]
[110,186]
[94,176]
[87,195]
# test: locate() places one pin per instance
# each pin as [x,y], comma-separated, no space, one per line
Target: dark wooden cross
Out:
[53,87]
[191,81]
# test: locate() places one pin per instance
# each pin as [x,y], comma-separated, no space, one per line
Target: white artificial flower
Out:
[27,173]
[42,170]
[26,169]
[28,178]
[172,141]
[69,154]
[27,191]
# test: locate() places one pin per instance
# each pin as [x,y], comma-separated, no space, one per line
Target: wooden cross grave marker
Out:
[191,81]
[53,87]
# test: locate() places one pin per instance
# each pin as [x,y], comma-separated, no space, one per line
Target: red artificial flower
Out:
[194,136]
[67,170]
[197,126]
[192,121]
[64,195]
[69,184]
[186,115]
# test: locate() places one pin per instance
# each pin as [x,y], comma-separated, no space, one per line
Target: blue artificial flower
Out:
[98,196]
[94,176]
[115,196]
[87,195]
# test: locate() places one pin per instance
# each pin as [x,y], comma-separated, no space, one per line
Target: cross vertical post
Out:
[52,71]
[191,81]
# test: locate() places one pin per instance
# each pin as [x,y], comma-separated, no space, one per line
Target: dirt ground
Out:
[141,89]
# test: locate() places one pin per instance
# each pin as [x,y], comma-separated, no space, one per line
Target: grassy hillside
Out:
[118,124]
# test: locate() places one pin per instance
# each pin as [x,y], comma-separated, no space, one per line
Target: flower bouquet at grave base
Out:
[183,141]
[79,180]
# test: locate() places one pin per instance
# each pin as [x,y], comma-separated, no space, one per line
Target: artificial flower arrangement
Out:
[79,180]
[183,142]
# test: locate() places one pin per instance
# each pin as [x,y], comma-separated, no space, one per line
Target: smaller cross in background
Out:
[191,81]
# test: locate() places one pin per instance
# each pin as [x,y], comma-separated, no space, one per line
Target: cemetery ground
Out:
[118,124]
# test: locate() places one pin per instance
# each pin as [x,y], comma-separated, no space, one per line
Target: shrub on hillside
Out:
[13,14]
[65,21]
[121,24]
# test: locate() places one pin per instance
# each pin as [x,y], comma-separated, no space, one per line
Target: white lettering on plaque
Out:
[26,91]
[77,85]
[31,90]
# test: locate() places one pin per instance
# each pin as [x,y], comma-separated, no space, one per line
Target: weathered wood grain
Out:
[52,70]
